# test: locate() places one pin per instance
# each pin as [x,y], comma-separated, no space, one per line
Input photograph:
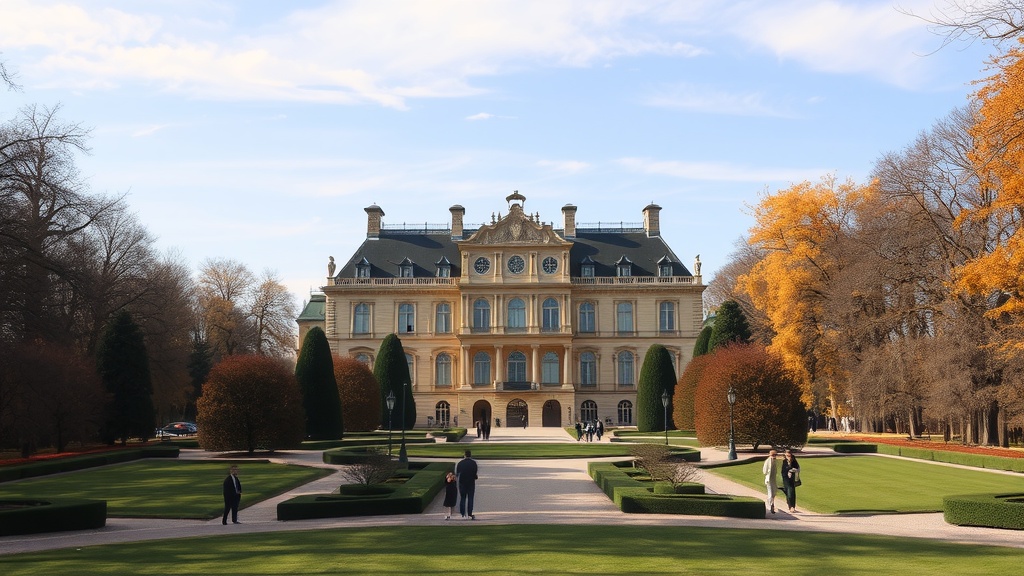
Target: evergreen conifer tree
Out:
[314,371]
[700,347]
[392,373]
[730,326]
[656,376]
[123,365]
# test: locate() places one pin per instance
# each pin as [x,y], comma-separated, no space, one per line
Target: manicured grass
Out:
[859,484]
[166,488]
[461,548]
[671,433]
[517,450]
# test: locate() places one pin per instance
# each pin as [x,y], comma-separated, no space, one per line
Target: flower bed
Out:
[938,445]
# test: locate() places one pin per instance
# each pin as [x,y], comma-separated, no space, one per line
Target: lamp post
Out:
[664,404]
[402,456]
[731,397]
[391,406]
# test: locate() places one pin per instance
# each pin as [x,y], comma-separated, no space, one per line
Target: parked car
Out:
[177,429]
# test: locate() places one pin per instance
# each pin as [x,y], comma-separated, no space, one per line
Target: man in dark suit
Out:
[232,495]
[465,472]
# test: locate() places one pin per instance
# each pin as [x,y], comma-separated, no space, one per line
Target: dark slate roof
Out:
[426,249]
[314,309]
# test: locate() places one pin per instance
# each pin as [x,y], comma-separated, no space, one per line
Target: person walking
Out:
[232,495]
[770,469]
[466,473]
[790,479]
[599,429]
[451,495]
[579,431]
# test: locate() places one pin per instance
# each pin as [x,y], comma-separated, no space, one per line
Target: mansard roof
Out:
[386,252]
[314,309]
[607,248]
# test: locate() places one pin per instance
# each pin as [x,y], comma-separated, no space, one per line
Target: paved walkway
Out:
[516,492]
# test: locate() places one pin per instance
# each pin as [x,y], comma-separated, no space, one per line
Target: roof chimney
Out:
[457,213]
[569,215]
[373,217]
[651,217]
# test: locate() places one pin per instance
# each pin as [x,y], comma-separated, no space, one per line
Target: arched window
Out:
[442,413]
[588,411]
[625,413]
[516,314]
[587,323]
[443,370]
[549,369]
[481,368]
[411,362]
[406,318]
[624,317]
[365,359]
[516,367]
[667,317]
[443,318]
[361,319]
[624,368]
[481,315]
[588,369]
[551,321]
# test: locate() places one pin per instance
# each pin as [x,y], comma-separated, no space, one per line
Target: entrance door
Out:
[552,415]
[481,413]
[516,414]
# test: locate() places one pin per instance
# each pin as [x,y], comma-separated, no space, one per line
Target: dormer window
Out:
[405,268]
[587,267]
[444,267]
[623,267]
[665,267]
[363,268]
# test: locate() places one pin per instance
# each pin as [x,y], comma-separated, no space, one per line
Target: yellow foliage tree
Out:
[998,155]
[801,231]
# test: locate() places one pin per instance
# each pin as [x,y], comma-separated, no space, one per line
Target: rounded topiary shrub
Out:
[989,510]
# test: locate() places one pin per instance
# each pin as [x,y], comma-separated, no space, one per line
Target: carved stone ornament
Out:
[515,228]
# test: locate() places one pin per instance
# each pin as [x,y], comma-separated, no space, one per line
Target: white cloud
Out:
[705,99]
[148,130]
[480,116]
[719,171]
[564,166]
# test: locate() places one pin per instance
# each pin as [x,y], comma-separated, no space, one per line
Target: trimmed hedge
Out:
[411,497]
[634,496]
[72,463]
[32,516]
[989,510]
[947,456]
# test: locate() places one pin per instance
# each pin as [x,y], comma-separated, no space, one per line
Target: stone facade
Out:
[514,322]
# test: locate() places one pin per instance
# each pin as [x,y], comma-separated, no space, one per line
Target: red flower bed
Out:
[55,455]
[982,450]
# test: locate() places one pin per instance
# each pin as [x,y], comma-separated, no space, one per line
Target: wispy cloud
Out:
[564,166]
[709,100]
[480,116]
[148,130]
[719,171]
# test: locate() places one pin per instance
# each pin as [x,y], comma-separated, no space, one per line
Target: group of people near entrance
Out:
[587,430]
[460,486]
[483,429]
[790,478]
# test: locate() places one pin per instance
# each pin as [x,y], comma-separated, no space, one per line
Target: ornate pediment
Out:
[516,228]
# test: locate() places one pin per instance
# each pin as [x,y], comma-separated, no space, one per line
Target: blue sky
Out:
[258,130]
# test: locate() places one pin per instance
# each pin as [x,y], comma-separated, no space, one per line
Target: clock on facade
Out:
[550,265]
[516,264]
[482,265]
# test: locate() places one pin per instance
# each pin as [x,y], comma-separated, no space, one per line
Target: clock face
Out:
[482,265]
[550,265]
[516,264]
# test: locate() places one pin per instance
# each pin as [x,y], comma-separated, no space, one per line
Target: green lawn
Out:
[464,548]
[856,484]
[516,450]
[166,488]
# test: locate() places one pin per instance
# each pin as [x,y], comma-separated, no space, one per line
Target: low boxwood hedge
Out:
[926,453]
[638,501]
[33,516]
[856,448]
[989,510]
[72,463]
[410,497]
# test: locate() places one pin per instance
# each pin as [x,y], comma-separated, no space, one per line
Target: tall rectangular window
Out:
[587,323]
[588,369]
[624,366]
[667,317]
[481,368]
[624,317]
[550,316]
[361,319]
[549,369]
[406,318]
[443,318]
[444,370]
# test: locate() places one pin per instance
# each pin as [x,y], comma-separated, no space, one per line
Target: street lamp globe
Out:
[664,404]
[730,396]
[390,401]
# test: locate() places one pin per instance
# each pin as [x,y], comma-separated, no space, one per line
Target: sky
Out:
[259,130]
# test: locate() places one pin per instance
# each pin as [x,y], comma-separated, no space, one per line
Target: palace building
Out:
[515,322]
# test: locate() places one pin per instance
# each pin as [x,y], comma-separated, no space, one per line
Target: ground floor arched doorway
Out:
[552,414]
[517,414]
[481,413]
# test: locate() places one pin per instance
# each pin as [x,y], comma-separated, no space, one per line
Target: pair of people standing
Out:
[790,478]
[461,485]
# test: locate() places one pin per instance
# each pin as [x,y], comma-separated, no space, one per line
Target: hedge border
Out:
[52,515]
[989,510]
[411,497]
[946,456]
[633,496]
[73,463]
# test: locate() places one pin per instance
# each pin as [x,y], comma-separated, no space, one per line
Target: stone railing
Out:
[632,280]
[426,281]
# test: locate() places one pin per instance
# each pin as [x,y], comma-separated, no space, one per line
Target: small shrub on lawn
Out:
[990,510]
[25,516]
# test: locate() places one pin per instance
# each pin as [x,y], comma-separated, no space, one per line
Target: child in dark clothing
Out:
[451,494]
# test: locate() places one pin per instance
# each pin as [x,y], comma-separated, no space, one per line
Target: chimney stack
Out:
[457,213]
[651,217]
[373,220]
[569,216]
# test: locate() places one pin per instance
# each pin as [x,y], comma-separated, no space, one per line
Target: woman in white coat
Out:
[770,469]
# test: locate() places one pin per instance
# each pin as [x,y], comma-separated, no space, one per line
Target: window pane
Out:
[516,313]
[588,369]
[444,370]
[588,411]
[409,361]
[549,368]
[481,314]
[667,317]
[625,412]
[517,367]
[551,319]
[481,368]
[443,321]
[406,318]
[624,317]
[625,368]
[361,319]
[587,317]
